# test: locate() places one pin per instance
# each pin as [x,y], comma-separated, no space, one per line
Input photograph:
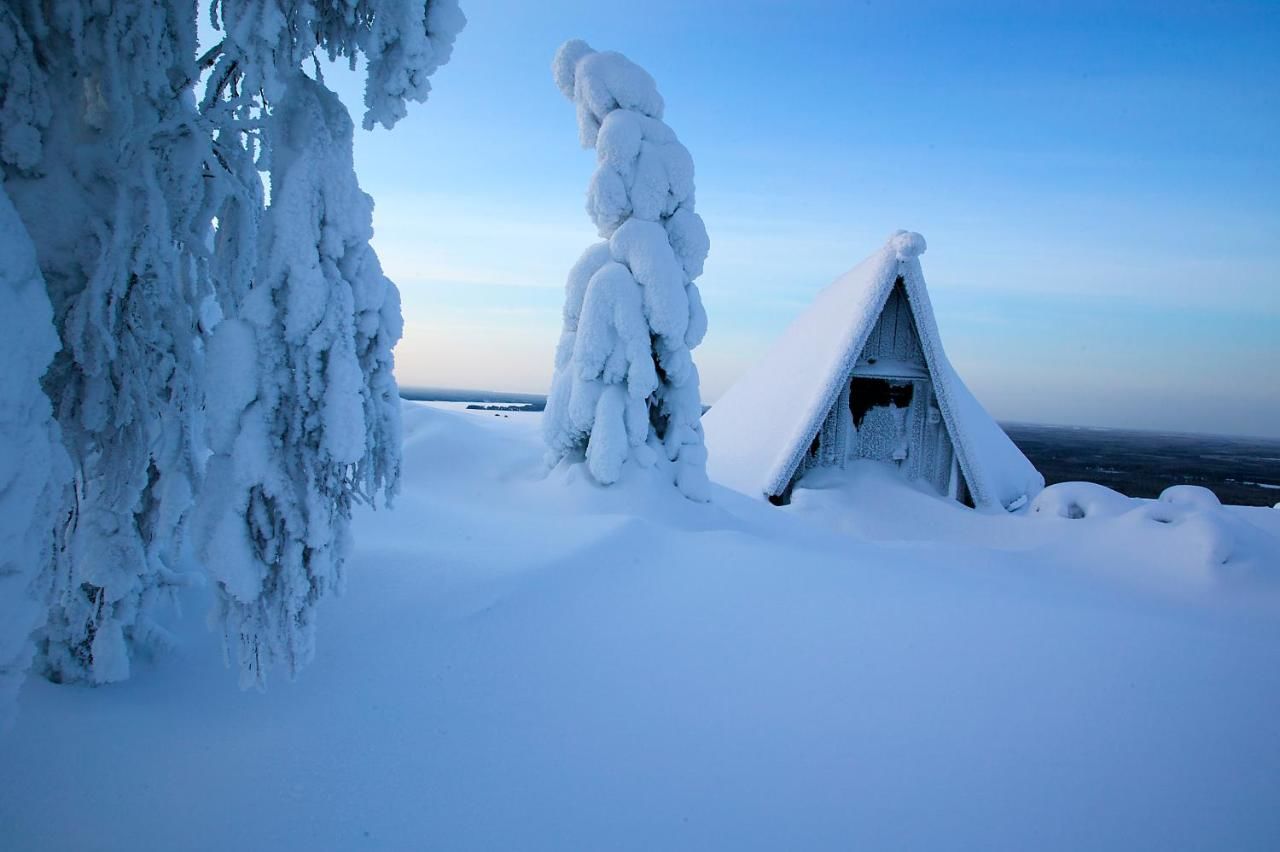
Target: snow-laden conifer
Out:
[104,162]
[33,464]
[625,386]
[304,410]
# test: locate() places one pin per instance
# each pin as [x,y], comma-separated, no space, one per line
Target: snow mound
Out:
[1076,500]
[1186,536]
[1196,496]
[1209,545]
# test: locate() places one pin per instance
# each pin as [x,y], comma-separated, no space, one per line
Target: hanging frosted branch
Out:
[304,409]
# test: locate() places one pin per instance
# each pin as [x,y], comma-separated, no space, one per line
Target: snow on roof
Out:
[757,433]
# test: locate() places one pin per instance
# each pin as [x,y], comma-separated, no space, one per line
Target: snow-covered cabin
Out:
[861,374]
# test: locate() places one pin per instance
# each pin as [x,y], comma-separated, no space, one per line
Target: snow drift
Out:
[544,663]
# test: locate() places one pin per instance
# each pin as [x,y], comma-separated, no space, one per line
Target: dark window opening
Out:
[866,394]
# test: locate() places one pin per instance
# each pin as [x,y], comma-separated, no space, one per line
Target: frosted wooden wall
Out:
[893,343]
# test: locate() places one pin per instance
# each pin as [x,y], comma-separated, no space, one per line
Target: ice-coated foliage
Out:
[33,464]
[304,412]
[403,41]
[24,102]
[625,386]
[304,416]
[138,219]
[103,159]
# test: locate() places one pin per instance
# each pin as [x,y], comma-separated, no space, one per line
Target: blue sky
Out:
[1099,185]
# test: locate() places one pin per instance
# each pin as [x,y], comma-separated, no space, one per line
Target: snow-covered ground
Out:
[523,662]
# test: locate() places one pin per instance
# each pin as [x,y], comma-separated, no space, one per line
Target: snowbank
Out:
[1080,500]
[1186,536]
[544,663]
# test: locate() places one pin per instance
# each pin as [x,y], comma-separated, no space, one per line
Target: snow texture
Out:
[882,433]
[800,377]
[25,110]
[403,41]
[1191,496]
[407,43]
[104,161]
[1076,500]
[1202,542]
[625,386]
[538,663]
[33,465]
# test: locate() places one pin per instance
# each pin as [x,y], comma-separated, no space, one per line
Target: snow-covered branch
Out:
[306,421]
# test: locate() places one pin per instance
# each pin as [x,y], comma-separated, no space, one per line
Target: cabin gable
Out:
[887,409]
[868,341]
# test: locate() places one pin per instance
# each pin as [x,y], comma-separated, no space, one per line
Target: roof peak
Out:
[906,244]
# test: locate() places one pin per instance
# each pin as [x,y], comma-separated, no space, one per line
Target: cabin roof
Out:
[758,431]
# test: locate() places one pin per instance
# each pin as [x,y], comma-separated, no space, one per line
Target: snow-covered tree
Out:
[304,409]
[145,219]
[625,386]
[33,464]
[103,160]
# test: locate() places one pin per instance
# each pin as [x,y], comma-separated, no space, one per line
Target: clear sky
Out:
[1099,184]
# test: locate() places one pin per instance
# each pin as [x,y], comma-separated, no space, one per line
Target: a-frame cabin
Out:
[862,375]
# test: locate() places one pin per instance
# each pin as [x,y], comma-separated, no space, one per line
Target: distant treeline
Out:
[533,401]
[1241,471]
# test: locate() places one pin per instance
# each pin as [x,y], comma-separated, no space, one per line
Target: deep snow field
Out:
[533,662]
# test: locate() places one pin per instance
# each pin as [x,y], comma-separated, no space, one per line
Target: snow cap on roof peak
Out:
[564,66]
[907,244]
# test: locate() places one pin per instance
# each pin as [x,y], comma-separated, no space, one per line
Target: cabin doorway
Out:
[881,409]
[897,420]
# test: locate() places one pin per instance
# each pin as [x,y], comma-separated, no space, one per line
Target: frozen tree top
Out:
[601,82]
[759,430]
